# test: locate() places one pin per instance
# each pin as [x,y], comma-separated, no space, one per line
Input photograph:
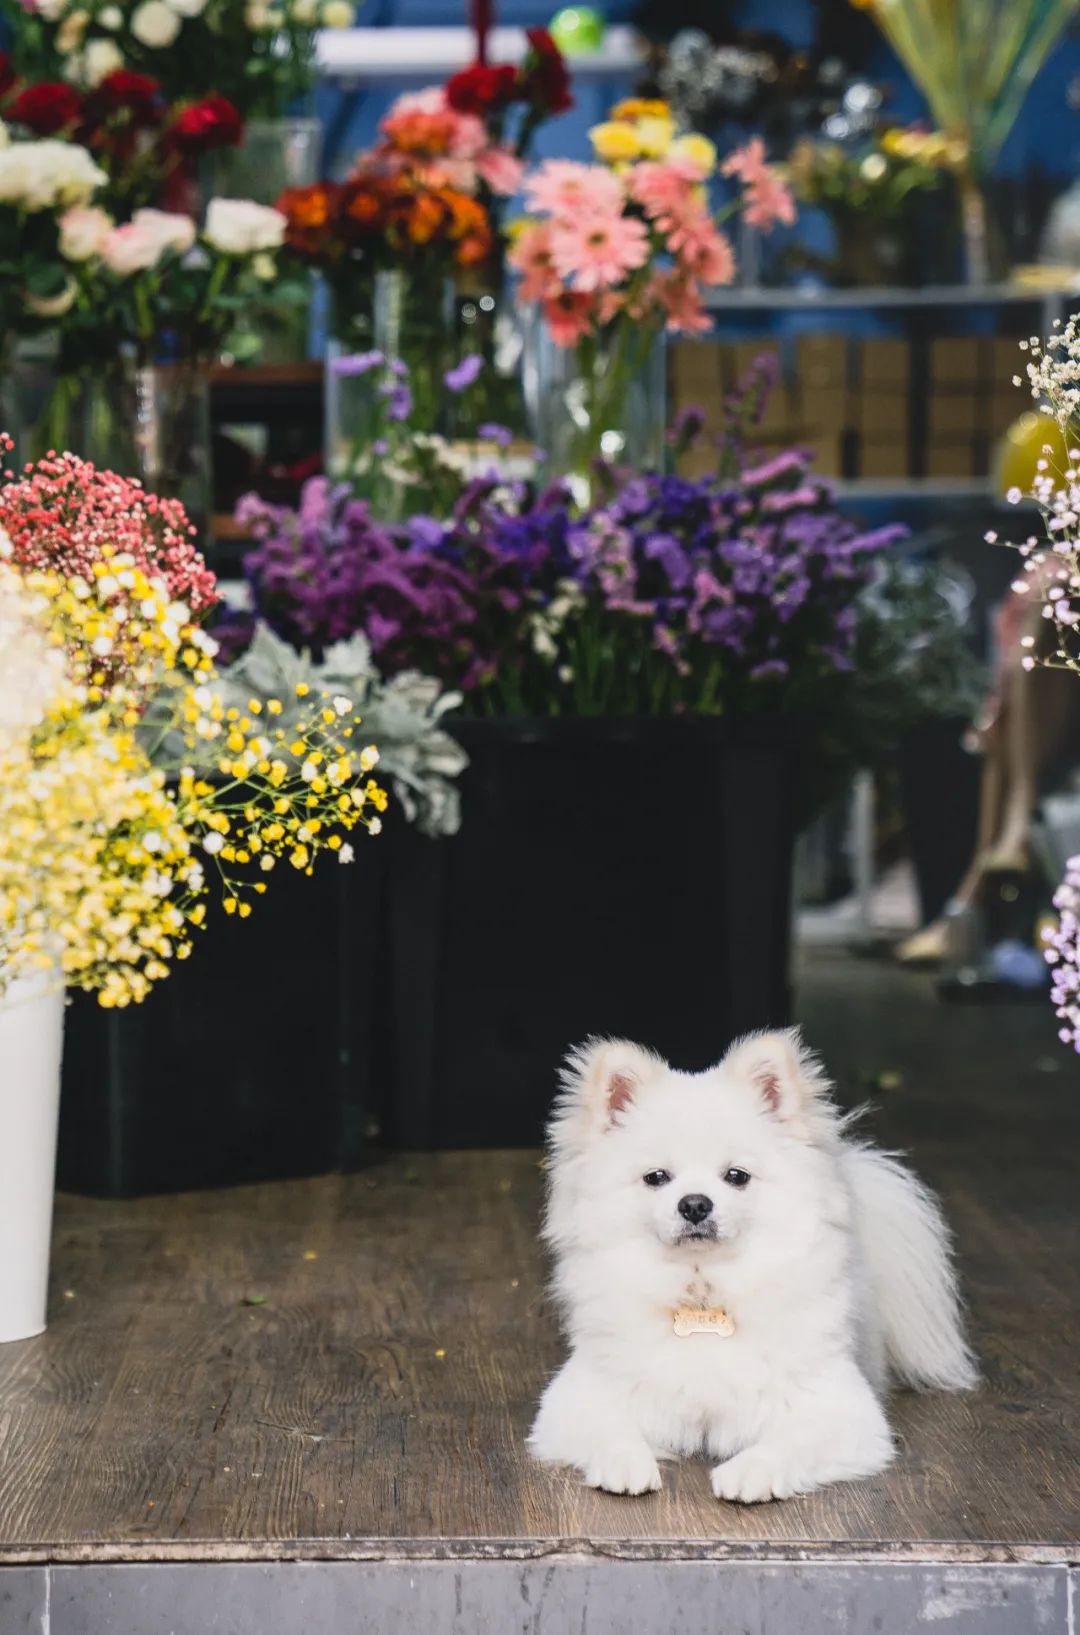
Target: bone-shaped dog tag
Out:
[703,1320]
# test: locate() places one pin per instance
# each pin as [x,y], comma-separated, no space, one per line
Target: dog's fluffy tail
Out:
[907,1253]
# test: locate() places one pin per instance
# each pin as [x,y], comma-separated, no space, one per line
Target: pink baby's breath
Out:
[60,513]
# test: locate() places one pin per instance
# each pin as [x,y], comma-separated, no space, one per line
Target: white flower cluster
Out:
[1051,565]
[92,41]
[1063,956]
[46,175]
[234,227]
[31,669]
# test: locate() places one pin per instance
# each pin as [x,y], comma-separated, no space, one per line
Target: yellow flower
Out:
[655,137]
[615,142]
[698,149]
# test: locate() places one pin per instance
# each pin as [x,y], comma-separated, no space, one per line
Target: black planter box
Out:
[621,877]
[249,1063]
[939,794]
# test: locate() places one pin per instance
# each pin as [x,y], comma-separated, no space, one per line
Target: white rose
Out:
[337,14]
[46,175]
[187,8]
[241,227]
[83,231]
[50,306]
[305,12]
[154,24]
[255,16]
[111,17]
[69,36]
[101,57]
[172,230]
[51,10]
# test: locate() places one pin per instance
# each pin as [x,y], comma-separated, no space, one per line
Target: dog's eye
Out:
[656,1178]
[737,1178]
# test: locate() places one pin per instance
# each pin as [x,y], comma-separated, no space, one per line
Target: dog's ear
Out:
[788,1076]
[603,1076]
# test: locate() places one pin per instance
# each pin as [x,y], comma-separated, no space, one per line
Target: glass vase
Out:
[603,399]
[275,154]
[152,421]
[412,326]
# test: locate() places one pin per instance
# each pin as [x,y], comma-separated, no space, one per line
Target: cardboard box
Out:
[951,458]
[953,415]
[827,454]
[957,360]
[888,458]
[825,408]
[884,364]
[879,415]
[821,361]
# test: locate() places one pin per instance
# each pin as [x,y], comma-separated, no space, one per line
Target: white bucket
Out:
[31,1042]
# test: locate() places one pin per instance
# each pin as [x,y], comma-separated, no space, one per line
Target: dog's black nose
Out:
[695,1208]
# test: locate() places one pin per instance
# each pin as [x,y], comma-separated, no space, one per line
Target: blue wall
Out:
[1046,137]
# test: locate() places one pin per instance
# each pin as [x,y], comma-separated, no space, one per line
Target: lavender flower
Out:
[356,363]
[464,374]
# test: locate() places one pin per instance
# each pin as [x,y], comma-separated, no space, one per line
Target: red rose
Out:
[136,95]
[545,79]
[211,123]
[47,108]
[481,89]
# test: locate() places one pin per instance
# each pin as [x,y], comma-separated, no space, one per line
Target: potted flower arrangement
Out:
[173,1092]
[648,677]
[146,306]
[611,256]
[261,58]
[868,191]
[108,856]
[147,146]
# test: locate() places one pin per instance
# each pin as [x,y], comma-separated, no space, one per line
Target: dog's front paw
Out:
[624,1470]
[754,1477]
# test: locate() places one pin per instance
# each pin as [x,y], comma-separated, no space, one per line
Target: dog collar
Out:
[702,1320]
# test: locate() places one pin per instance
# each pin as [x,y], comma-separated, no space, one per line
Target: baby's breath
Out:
[109,849]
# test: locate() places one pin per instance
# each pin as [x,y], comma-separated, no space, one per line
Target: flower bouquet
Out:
[147,146]
[109,855]
[147,305]
[867,191]
[40,183]
[613,254]
[260,57]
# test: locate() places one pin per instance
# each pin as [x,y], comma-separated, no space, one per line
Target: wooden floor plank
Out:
[374,1401]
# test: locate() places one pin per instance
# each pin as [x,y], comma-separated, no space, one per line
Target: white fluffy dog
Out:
[736,1275]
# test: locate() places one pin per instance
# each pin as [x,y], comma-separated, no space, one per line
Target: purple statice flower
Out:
[490,432]
[398,398]
[356,363]
[464,374]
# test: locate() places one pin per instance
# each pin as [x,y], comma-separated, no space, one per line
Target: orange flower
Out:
[306,207]
[427,214]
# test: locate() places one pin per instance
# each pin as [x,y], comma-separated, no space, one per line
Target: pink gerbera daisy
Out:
[682,302]
[599,251]
[663,190]
[702,250]
[766,199]
[531,256]
[565,187]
